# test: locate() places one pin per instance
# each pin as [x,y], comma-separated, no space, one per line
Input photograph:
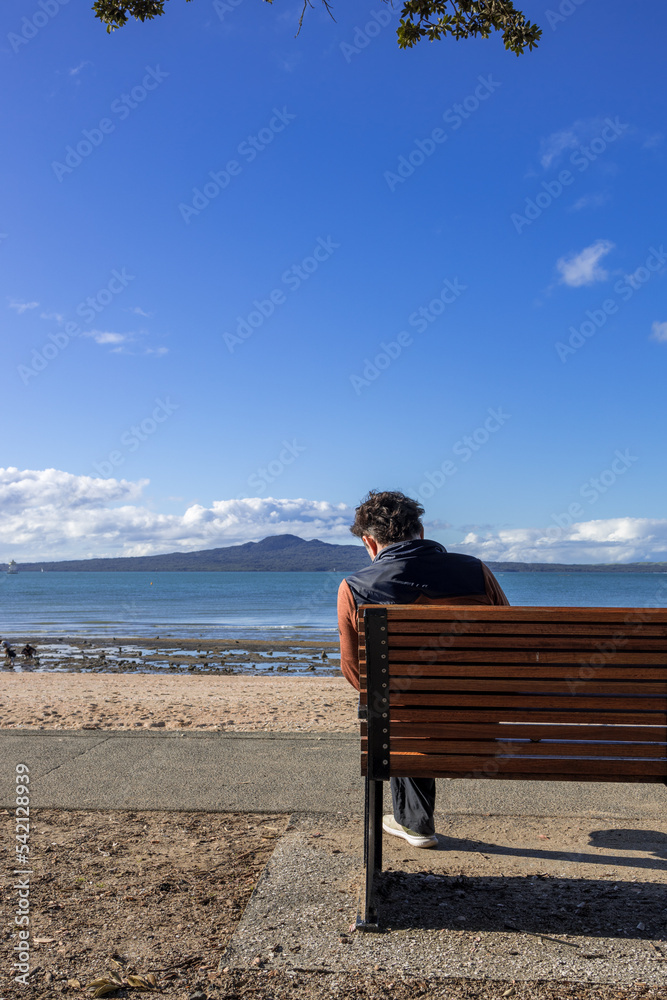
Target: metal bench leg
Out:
[367,919]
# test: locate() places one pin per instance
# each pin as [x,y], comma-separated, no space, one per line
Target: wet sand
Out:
[173,655]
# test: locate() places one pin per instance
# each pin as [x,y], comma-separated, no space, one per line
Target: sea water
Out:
[287,606]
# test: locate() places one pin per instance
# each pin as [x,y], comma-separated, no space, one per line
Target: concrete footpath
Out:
[501,899]
[264,772]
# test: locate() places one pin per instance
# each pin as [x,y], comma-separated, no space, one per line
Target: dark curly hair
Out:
[388,517]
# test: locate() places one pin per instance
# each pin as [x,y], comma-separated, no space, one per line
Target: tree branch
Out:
[431,19]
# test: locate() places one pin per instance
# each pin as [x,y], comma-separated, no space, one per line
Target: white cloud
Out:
[590,201]
[22,307]
[614,540]
[124,343]
[139,312]
[289,64]
[53,514]
[583,268]
[576,135]
[653,141]
[105,337]
[77,69]
[437,525]
[557,143]
[659,332]
[57,317]
[28,490]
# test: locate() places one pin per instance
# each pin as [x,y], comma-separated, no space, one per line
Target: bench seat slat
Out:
[486,748]
[417,771]
[507,654]
[499,731]
[536,702]
[482,715]
[513,641]
[538,671]
[406,763]
[529,685]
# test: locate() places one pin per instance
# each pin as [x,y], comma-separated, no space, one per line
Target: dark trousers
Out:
[414,802]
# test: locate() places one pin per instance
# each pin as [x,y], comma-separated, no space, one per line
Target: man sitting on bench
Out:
[406,568]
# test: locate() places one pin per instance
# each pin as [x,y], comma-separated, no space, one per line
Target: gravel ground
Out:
[132,893]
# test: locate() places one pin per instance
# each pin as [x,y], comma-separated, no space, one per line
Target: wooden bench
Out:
[528,693]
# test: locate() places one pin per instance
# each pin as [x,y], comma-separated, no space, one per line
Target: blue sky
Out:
[247,276]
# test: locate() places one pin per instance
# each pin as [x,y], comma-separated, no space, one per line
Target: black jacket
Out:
[405,571]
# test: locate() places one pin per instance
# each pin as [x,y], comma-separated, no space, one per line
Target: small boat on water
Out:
[12,568]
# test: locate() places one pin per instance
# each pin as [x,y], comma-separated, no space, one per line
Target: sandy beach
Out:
[135,701]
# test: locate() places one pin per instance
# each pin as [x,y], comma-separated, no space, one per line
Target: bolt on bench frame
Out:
[527,693]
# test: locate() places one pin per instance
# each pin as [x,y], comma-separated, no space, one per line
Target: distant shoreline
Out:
[639,568]
[291,554]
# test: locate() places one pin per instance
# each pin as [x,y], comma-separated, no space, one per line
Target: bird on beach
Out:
[10,653]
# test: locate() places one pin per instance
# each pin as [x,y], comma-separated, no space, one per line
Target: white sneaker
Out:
[414,839]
